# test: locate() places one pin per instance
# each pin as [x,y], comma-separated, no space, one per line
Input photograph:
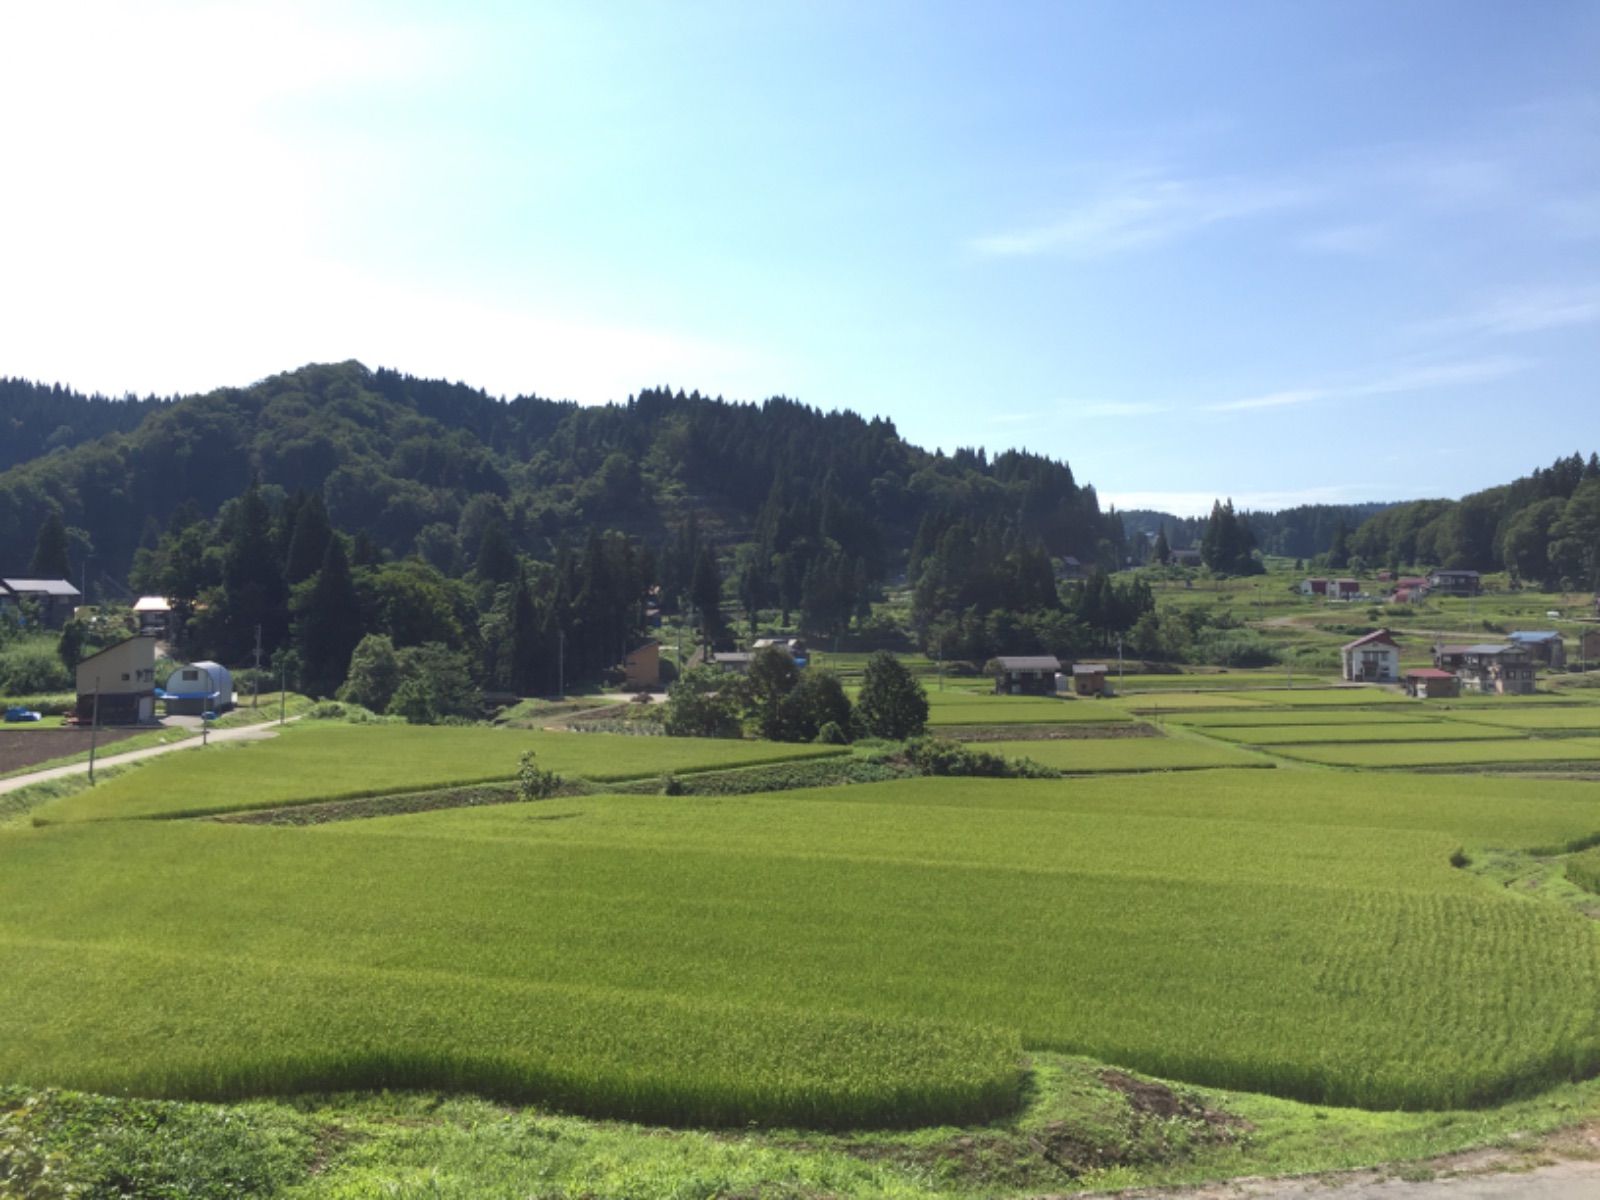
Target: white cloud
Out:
[1119,408]
[1523,310]
[1141,210]
[1345,239]
[1397,382]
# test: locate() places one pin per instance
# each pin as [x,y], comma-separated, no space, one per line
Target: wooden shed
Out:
[1430,683]
[1024,674]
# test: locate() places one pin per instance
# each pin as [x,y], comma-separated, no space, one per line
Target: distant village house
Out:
[117,686]
[1024,674]
[1456,583]
[1492,668]
[1374,658]
[55,599]
[1545,646]
[641,668]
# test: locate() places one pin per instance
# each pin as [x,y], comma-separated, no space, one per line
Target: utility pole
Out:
[1119,664]
[255,697]
[94,728]
[283,688]
[561,664]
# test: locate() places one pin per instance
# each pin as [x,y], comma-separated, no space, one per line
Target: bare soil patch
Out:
[22,748]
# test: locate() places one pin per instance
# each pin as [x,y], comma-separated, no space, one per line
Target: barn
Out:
[117,686]
[198,688]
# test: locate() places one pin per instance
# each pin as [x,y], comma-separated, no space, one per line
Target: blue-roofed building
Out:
[1545,645]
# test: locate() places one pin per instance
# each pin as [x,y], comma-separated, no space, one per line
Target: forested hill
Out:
[36,419]
[424,466]
[1542,528]
[1299,532]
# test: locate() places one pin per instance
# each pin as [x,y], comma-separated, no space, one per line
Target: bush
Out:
[533,782]
[941,756]
[31,668]
[671,785]
[831,735]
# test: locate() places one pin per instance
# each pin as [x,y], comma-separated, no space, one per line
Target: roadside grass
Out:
[1077,1133]
[1092,755]
[831,956]
[316,761]
[1518,751]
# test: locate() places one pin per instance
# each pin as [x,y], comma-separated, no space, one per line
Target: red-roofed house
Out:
[1372,659]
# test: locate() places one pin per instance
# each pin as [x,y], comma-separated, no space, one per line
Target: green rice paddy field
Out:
[325,762]
[876,954]
[1510,752]
[1370,730]
[1127,754]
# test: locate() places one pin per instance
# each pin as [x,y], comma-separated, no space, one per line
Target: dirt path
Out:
[240,734]
[1566,1166]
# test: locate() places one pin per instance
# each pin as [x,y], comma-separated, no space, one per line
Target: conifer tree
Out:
[50,560]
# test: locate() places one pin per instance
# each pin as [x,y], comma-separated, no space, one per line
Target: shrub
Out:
[832,735]
[671,785]
[31,668]
[942,756]
[533,782]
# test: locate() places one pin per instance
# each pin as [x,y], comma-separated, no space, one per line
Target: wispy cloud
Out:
[1345,239]
[1397,382]
[1141,210]
[1523,310]
[1119,408]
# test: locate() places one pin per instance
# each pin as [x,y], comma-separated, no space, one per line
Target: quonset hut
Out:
[200,687]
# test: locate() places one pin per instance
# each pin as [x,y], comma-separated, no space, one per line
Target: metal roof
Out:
[47,587]
[1428,673]
[1028,662]
[1487,648]
[1535,636]
[1089,669]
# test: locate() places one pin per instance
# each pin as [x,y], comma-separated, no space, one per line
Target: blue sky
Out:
[1279,251]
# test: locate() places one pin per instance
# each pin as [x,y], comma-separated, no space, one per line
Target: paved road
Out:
[1569,1180]
[242,733]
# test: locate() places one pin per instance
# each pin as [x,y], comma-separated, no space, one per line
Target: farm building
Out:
[737,661]
[155,615]
[1071,568]
[1345,589]
[1496,668]
[1025,674]
[198,688]
[117,686]
[641,668]
[1546,647]
[1430,683]
[1456,583]
[1374,658]
[1589,647]
[55,598]
[1313,587]
[1089,679]
[1186,558]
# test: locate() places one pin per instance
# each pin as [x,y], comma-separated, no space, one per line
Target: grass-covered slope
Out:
[862,955]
